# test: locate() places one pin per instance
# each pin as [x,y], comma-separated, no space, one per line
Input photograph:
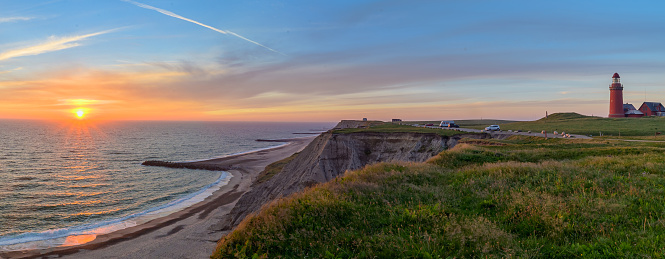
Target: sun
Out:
[80,112]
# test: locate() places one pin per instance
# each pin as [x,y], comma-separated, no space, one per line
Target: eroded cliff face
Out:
[330,155]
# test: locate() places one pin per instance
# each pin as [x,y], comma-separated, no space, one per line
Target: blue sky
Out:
[332,60]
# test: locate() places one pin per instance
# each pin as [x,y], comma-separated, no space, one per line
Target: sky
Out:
[206,60]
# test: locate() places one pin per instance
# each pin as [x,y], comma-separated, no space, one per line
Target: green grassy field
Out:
[573,123]
[521,197]
[465,122]
[391,127]
[586,125]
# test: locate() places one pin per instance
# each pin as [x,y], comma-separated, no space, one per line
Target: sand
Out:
[190,233]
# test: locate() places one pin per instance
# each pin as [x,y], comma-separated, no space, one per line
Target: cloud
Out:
[198,23]
[14,19]
[52,44]
[11,70]
[84,102]
[182,66]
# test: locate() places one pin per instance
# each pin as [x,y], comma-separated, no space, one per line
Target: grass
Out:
[519,197]
[586,125]
[466,123]
[392,128]
[273,169]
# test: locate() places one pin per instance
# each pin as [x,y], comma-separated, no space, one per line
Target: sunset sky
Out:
[325,60]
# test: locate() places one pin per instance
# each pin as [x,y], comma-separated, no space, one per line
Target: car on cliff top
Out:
[493,128]
[448,124]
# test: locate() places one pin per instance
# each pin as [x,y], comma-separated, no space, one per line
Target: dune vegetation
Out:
[519,197]
[272,169]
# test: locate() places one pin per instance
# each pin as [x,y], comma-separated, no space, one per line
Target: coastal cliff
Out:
[331,154]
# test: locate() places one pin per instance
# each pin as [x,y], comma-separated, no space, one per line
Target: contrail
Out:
[195,22]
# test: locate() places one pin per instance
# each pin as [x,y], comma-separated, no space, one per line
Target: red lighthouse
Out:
[616,97]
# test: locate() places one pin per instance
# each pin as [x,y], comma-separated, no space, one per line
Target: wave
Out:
[60,237]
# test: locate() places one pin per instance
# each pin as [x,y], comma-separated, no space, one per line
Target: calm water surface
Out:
[60,179]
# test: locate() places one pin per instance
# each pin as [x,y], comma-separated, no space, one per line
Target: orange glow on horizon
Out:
[137,95]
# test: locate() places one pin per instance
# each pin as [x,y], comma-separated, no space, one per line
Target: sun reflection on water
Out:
[81,174]
[78,240]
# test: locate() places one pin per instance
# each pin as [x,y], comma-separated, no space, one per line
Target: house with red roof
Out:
[652,109]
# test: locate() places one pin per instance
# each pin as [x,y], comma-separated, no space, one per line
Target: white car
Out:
[493,128]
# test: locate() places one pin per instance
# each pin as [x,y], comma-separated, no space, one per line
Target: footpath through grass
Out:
[520,197]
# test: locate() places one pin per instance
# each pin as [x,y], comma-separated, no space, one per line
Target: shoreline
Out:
[200,224]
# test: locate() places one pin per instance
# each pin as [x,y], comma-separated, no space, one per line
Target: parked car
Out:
[448,124]
[429,124]
[493,128]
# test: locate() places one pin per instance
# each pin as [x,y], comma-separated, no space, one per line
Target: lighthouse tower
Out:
[616,97]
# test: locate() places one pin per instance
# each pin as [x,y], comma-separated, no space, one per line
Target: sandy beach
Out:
[189,233]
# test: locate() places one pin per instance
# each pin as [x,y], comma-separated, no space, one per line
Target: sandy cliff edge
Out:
[330,155]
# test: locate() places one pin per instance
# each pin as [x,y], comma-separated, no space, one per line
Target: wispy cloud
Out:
[52,44]
[198,23]
[11,70]
[84,102]
[14,19]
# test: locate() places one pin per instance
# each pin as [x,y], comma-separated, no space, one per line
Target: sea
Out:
[64,183]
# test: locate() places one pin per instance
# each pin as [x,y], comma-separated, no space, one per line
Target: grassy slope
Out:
[390,127]
[587,125]
[274,168]
[522,197]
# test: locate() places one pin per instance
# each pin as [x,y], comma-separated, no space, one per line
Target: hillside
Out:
[519,197]
[333,153]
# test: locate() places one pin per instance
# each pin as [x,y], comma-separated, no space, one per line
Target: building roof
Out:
[634,112]
[616,75]
[629,107]
[652,106]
